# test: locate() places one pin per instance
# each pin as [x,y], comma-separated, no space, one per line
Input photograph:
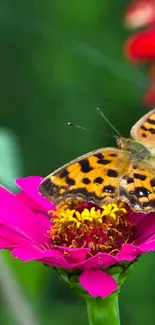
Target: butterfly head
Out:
[123,143]
[133,147]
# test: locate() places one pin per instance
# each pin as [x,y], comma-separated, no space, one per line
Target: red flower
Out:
[141,46]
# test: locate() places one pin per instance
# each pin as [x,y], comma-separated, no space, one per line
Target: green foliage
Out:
[59,60]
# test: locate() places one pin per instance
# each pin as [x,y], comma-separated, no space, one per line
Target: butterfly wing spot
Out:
[112,155]
[144,135]
[70,181]
[151,120]
[103,161]
[130,180]
[109,189]
[99,155]
[140,176]
[85,166]
[112,173]
[140,191]
[98,180]
[86,180]
[63,173]
[152,182]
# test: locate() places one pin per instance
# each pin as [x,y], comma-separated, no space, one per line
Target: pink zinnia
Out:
[87,241]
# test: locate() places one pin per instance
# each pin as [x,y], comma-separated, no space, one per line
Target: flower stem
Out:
[103,311]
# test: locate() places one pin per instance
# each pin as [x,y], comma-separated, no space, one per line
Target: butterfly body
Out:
[106,175]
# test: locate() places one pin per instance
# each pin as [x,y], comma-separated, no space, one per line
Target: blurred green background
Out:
[59,60]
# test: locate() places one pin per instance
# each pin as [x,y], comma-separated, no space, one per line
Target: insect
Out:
[126,173]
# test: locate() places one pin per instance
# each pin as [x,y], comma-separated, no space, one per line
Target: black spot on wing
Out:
[143,128]
[113,155]
[86,180]
[99,155]
[85,165]
[109,189]
[70,181]
[152,182]
[149,120]
[151,130]
[144,135]
[98,180]
[112,173]
[103,161]
[141,191]
[130,180]
[140,176]
[63,173]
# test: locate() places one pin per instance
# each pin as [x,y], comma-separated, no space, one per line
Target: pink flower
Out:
[87,241]
[140,13]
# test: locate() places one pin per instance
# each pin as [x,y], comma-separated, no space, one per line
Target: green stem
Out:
[103,311]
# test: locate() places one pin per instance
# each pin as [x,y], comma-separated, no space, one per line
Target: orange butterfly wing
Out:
[93,177]
[144,130]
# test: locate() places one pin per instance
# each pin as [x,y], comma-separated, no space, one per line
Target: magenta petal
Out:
[74,254]
[31,204]
[28,253]
[148,245]
[13,235]
[31,252]
[97,283]
[53,253]
[14,213]
[99,260]
[5,244]
[129,252]
[145,228]
[30,185]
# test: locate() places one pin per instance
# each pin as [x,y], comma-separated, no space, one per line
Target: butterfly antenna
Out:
[78,126]
[83,128]
[106,119]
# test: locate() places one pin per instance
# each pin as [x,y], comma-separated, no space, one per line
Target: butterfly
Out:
[106,175]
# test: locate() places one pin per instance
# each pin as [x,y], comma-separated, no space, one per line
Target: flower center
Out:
[103,229]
